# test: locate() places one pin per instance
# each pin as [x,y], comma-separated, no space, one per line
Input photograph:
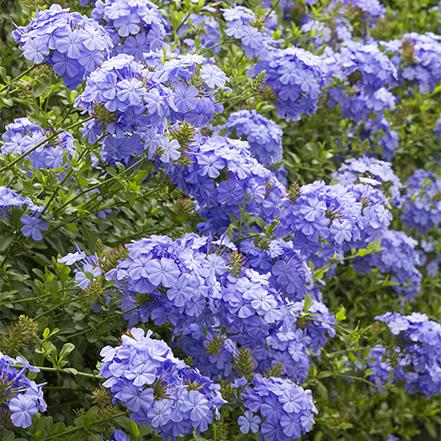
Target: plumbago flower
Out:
[159,389]
[136,27]
[22,135]
[244,25]
[263,135]
[195,283]
[419,353]
[287,409]
[422,206]
[379,174]
[10,199]
[23,396]
[297,78]
[333,219]
[72,44]
[418,59]
[243,182]
[398,257]
[344,14]
[133,106]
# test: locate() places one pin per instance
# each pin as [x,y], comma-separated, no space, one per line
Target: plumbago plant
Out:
[220,221]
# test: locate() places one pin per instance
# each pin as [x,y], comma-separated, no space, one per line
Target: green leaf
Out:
[341,314]
[66,350]
[135,429]
[308,302]
[6,241]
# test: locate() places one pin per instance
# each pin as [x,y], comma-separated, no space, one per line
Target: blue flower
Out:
[249,422]
[213,76]
[22,407]
[33,226]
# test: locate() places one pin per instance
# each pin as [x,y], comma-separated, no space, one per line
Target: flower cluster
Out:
[159,389]
[72,44]
[136,28]
[205,27]
[285,409]
[263,135]
[134,105]
[333,218]
[351,19]
[121,101]
[419,359]
[288,271]
[397,256]
[370,171]
[222,177]
[422,207]
[378,361]
[362,65]
[418,58]
[22,136]
[23,396]
[297,77]
[9,199]
[195,284]
[357,105]
[252,33]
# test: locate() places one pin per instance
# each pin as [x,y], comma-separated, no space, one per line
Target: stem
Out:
[236,104]
[101,322]
[49,138]
[62,182]
[361,379]
[31,299]
[43,368]
[271,10]
[54,308]
[182,22]
[18,78]
[332,354]
[206,49]
[30,69]
[75,429]
[323,321]
[98,185]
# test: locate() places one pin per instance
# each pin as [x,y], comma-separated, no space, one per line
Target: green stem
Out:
[75,429]
[361,379]
[182,22]
[30,69]
[333,354]
[87,190]
[18,78]
[54,308]
[48,139]
[271,10]
[62,182]
[323,321]
[206,49]
[85,331]
[31,299]
[236,104]
[49,369]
